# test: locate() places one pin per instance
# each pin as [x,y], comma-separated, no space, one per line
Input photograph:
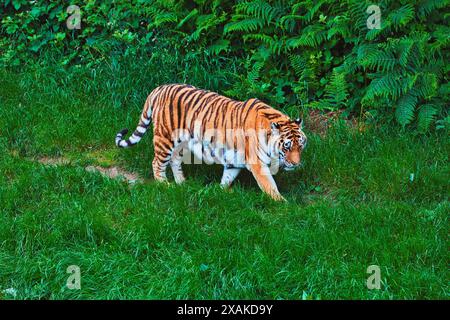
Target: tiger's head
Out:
[288,142]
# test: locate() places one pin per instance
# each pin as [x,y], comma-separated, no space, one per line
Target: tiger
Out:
[246,135]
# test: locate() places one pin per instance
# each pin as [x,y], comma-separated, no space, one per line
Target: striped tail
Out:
[137,135]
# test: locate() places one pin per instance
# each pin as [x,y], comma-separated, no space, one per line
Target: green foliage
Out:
[309,54]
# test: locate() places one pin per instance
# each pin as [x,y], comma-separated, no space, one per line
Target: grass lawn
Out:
[372,197]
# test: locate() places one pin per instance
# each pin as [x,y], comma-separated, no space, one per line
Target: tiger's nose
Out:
[294,158]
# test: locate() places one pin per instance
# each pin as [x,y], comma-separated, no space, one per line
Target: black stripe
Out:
[137,133]
[272,116]
[198,110]
[202,94]
[249,109]
[163,144]
[182,96]
[208,113]
[219,114]
[172,97]
[188,105]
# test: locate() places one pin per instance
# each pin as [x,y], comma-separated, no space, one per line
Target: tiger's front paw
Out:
[278,197]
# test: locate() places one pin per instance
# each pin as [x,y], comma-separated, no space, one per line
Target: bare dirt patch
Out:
[115,173]
[53,161]
[319,122]
[112,172]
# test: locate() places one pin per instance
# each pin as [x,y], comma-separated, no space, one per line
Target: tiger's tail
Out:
[141,129]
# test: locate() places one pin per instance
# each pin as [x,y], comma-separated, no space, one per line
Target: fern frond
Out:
[390,85]
[218,47]
[339,26]
[298,63]
[312,11]
[190,15]
[246,25]
[336,89]
[406,48]
[312,36]
[404,112]
[275,45]
[426,86]
[160,17]
[426,115]
[441,38]
[253,74]
[288,22]
[374,33]
[379,60]
[402,16]
[259,8]
[358,16]
[428,6]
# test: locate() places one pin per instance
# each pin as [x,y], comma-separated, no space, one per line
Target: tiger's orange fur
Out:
[183,116]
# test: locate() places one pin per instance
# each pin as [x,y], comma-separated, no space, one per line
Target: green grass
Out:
[350,206]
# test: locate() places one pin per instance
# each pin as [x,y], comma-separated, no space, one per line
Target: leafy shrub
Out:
[312,54]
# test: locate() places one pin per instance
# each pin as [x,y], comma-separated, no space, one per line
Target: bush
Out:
[310,54]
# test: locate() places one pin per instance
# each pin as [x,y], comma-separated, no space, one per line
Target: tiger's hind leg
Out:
[159,169]
[175,163]
[229,174]
[163,153]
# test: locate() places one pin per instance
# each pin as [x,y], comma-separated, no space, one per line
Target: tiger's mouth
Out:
[290,167]
[286,166]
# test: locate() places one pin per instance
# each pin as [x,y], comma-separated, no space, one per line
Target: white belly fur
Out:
[206,153]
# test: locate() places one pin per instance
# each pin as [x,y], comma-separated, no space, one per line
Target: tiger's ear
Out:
[274,126]
[299,121]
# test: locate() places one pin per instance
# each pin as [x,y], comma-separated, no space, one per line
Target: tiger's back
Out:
[178,106]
